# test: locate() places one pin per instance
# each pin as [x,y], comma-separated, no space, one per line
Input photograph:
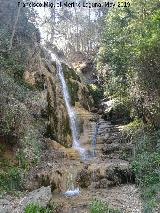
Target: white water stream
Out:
[94,140]
[70,110]
[72,191]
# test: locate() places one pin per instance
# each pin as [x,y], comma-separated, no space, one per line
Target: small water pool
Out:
[71,193]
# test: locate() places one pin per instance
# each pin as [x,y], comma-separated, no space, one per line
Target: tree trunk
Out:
[89,21]
[53,21]
[14,29]
[77,31]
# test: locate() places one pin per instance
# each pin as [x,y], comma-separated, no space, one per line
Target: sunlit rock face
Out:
[41,73]
[58,126]
[43,76]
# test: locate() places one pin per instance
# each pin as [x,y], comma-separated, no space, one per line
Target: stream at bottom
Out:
[71,186]
[70,183]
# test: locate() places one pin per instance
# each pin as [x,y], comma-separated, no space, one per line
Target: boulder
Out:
[40,196]
[105,175]
[119,174]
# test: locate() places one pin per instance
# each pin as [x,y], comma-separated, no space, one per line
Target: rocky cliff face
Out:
[58,121]
[29,78]
[44,76]
[58,127]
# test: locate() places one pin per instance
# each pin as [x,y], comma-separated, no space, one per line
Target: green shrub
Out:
[95,92]
[11,179]
[145,165]
[70,73]
[134,125]
[35,208]
[30,150]
[120,110]
[146,161]
[99,206]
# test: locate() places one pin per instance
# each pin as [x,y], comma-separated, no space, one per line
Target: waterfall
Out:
[72,190]
[94,140]
[70,110]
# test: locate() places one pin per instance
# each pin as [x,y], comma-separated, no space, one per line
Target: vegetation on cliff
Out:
[131,47]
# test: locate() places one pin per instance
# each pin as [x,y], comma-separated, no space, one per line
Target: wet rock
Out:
[77,90]
[38,177]
[113,173]
[84,177]
[123,151]
[54,145]
[65,152]
[58,126]
[72,153]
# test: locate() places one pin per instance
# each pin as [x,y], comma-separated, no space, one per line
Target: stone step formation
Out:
[106,175]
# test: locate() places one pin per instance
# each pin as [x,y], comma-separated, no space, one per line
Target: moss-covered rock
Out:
[70,73]
[58,126]
[77,90]
[73,88]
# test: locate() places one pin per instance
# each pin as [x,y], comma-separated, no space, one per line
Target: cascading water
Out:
[70,110]
[72,191]
[94,139]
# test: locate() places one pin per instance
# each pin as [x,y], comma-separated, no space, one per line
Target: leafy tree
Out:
[130,47]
